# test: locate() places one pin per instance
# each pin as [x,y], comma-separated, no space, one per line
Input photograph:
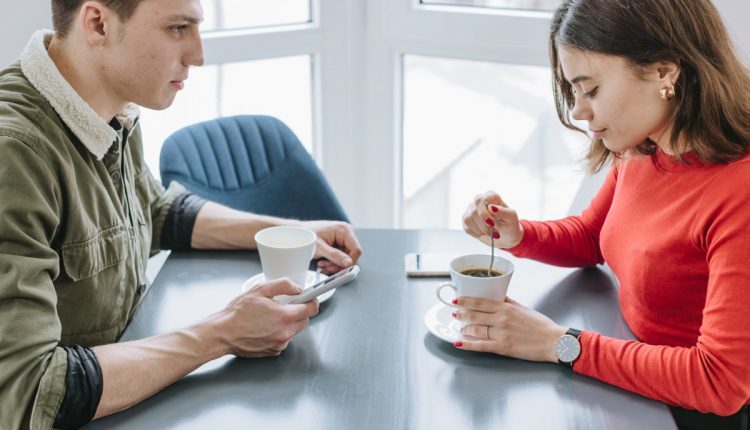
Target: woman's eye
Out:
[591,93]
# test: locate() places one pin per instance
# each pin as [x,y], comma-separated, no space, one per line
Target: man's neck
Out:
[84,80]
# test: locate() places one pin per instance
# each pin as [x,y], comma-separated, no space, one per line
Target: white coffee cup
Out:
[286,251]
[492,288]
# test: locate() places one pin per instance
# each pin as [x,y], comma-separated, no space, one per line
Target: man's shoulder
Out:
[25,115]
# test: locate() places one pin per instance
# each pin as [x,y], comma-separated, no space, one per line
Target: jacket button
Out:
[116,176]
[141,288]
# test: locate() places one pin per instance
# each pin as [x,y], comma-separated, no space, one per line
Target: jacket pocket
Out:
[87,258]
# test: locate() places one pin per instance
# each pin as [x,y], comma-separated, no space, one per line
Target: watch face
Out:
[567,348]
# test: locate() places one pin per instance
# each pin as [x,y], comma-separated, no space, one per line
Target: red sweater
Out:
[678,239]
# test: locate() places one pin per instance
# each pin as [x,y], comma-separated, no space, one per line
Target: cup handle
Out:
[440,289]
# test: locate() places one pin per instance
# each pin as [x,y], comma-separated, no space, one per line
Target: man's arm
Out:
[252,325]
[220,227]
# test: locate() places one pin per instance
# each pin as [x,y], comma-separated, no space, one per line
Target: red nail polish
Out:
[494,209]
[454,314]
[458,344]
[454,301]
[496,235]
[489,222]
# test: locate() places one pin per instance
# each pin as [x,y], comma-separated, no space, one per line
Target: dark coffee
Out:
[481,273]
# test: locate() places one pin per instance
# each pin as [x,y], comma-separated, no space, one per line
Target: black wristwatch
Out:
[568,348]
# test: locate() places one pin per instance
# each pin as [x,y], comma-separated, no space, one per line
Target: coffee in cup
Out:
[469,278]
[482,273]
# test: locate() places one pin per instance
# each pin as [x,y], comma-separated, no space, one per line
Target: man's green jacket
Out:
[79,216]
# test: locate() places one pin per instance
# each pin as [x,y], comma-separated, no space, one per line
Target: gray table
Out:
[368,362]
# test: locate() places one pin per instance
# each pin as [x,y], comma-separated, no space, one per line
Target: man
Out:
[80,212]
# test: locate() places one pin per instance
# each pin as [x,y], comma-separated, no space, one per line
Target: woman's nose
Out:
[581,111]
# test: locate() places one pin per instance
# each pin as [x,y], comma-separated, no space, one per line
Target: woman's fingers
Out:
[476,345]
[474,317]
[478,304]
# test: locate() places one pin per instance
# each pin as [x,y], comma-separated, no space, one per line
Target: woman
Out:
[667,102]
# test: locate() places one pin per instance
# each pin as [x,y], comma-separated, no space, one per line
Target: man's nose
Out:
[194,56]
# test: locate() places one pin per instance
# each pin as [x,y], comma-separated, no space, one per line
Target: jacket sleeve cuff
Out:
[177,232]
[50,392]
[83,389]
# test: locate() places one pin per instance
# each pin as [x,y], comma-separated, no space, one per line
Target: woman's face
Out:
[622,107]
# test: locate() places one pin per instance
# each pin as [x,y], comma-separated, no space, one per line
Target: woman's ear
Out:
[668,72]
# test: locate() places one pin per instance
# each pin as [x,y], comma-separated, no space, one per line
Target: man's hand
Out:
[337,246]
[253,325]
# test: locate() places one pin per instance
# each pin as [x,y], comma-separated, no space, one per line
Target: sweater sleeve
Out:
[572,241]
[713,375]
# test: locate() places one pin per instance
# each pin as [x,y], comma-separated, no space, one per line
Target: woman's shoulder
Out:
[739,168]
[730,181]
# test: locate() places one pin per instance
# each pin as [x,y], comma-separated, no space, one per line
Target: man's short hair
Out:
[64,12]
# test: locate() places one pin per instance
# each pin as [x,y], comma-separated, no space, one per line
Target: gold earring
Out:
[667,92]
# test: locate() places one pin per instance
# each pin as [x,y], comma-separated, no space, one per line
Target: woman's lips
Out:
[598,133]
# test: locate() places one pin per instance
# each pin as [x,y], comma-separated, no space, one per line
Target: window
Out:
[472,126]
[367,86]
[501,4]
[435,112]
[249,70]
[279,87]
[236,14]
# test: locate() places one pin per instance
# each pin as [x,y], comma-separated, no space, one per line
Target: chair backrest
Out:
[249,162]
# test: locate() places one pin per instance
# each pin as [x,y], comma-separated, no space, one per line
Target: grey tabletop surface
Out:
[367,360]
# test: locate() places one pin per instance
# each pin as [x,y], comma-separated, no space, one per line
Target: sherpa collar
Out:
[95,133]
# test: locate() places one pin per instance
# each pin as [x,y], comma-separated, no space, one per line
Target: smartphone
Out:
[341,278]
[428,264]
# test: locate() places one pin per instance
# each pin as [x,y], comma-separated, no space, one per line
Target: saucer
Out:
[440,322]
[311,279]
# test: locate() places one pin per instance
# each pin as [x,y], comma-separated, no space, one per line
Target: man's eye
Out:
[178,28]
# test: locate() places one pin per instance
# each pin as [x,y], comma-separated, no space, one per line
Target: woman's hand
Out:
[507,328]
[489,210]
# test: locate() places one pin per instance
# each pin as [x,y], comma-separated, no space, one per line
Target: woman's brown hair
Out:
[712,115]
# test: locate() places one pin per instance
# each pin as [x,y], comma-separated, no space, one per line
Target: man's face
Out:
[146,59]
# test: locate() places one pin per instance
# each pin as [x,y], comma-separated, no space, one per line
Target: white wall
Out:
[18,19]
[735,13]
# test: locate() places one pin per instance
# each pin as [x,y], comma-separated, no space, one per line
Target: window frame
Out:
[400,27]
[356,51]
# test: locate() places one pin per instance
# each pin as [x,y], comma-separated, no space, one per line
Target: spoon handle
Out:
[492,245]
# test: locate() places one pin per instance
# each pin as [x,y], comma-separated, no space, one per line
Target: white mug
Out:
[286,251]
[492,288]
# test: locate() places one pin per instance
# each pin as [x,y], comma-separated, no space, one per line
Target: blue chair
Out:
[251,162]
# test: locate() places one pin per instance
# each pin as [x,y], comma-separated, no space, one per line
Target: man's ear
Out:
[95,21]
